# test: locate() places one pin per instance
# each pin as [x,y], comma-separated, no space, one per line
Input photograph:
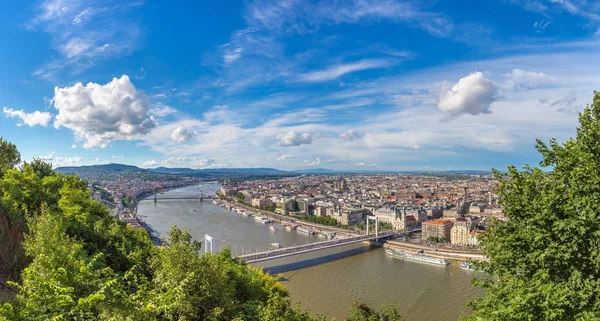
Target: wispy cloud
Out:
[29,119]
[337,71]
[84,33]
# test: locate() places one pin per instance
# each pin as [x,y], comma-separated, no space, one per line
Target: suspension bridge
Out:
[200,198]
[264,255]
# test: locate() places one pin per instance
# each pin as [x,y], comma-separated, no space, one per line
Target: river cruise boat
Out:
[419,257]
[305,231]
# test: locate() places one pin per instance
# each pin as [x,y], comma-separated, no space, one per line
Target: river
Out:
[327,281]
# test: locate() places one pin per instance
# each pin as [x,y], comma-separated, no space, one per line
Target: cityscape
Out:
[300,160]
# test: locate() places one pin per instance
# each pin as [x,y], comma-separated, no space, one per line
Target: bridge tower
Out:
[376,219]
[208,240]
[155,200]
[201,199]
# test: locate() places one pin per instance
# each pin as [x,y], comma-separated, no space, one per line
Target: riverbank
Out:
[321,229]
[459,255]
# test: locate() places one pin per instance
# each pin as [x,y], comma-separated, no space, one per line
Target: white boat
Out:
[262,219]
[305,231]
[272,228]
[194,211]
[419,257]
[276,245]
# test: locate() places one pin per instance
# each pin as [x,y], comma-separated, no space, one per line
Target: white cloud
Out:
[58,161]
[181,134]
[150,163]
[415,146]
[284,157]
[303,17]
[29,119]
[363,164]
[294,139]
[162,110]
[315,162]
[350,135]
[99,114]
[520,79]
[340,70]
[472,94]
[541,25]
[232,55]
[84,33]
[193,161]
[73,146]
[117,157]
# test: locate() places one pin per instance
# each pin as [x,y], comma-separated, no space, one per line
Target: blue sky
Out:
[354,85]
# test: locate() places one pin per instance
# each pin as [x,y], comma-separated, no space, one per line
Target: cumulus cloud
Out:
[181,134]
[472,94]
[315,162]
[29,119]
[150,163]
[294,139]
[363,164]
[285,157]
[98,114]
[58,161]
[350,135]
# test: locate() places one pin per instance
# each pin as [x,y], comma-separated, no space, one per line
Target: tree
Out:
[9,156]
[362,312]
[545,259]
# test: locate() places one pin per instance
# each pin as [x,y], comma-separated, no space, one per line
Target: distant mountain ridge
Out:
[241,172]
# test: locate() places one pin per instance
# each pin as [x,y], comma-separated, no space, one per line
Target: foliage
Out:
[545,259]
[9,156]
[362,312]
[324,220]
[435,239]
[126,201]
[240,196]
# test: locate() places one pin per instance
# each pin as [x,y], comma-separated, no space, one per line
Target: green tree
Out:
[9,156]
[362,312]
[545,259]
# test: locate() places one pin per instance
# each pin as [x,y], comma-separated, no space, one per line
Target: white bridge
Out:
[310,247]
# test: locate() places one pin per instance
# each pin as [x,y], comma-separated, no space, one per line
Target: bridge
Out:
[200,198]
[310,247]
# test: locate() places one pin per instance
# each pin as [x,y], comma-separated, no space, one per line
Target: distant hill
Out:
[222,171]
[202,173]
[317,171]
[114,168]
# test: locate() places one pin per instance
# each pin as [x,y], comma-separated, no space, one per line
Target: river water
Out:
[326,281]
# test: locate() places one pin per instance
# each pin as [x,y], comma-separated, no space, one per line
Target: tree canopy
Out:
[545,258]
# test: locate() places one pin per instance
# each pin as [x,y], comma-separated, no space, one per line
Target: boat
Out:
[194,211]
[467,266]
[272,228]
[419,257]
[262,219]
[305,231]
[276,245]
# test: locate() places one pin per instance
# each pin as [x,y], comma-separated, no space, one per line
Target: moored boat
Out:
[419,257]
[272,228]
[305,231]
[276,245]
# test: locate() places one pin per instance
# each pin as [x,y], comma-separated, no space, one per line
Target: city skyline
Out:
[358,85]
